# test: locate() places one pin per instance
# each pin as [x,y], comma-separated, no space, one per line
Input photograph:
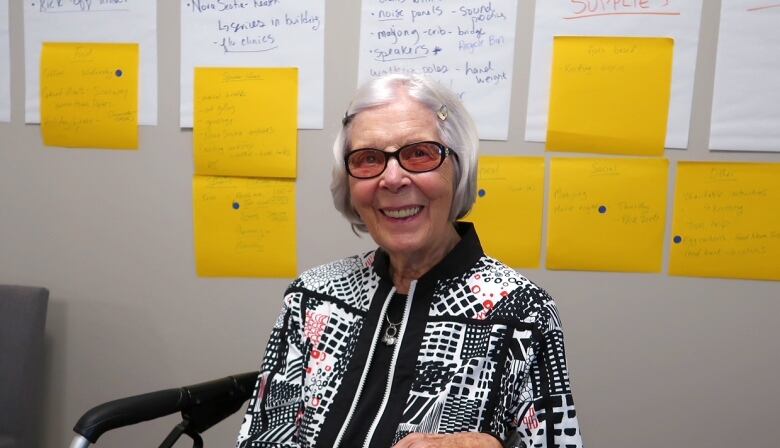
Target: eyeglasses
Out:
[419,157]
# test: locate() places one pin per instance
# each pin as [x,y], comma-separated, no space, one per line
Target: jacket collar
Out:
[460,259]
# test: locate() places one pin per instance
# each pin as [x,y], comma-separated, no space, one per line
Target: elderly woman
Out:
[425,341]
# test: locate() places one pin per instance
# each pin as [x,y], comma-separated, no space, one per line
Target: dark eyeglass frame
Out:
[444,151]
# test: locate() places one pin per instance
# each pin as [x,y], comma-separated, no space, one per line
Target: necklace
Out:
[391,332]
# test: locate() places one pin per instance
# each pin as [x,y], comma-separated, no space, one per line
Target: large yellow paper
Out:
[89,95]
[610,94]
[607,214]
[245,121]
[244,227]
[726,220]
[508,210]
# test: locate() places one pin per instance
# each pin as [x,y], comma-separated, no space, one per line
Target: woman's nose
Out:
[394,176]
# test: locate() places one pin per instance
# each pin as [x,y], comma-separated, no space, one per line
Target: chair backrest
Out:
[22,322]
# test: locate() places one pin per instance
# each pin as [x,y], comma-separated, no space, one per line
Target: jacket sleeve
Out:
[273,416]
[538,408]
[544,413]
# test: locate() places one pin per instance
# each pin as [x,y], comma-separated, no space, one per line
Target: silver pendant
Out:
[389,337]
[388,340]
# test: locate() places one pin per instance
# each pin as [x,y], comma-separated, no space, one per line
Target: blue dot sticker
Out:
[677,239]
[482,193]
[602,209]
[118,73]
[236,205]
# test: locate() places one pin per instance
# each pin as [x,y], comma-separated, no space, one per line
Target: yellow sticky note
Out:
[246,121]
[610,94]
[244,227]
[607,214]
[726,220]
[89,95]
[508,210]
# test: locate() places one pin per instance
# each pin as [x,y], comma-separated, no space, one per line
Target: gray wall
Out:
[655,360]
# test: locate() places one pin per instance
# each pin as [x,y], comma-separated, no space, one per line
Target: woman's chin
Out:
[400,244]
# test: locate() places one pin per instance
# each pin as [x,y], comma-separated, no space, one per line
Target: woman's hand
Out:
[457,440]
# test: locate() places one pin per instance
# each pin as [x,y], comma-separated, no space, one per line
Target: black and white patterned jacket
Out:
[481,350]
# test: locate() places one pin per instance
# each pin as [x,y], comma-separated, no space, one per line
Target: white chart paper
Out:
[746,98]
[467,45]
[5,64]
[256,33]
[127,21]
[677,19]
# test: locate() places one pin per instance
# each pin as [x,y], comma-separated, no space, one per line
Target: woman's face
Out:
[406,213]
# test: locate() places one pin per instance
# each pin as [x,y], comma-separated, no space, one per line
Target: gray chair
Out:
[22,322]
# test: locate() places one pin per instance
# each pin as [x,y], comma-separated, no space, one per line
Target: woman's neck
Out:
[406,267]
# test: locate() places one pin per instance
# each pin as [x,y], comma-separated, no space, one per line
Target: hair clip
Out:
[442,112]
[347,118]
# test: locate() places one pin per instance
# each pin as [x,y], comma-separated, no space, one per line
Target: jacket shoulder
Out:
[519,297]
[350,280]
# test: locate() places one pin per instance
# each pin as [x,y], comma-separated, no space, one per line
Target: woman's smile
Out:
[402,213]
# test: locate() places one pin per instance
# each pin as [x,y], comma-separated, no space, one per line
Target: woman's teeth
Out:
[402,213]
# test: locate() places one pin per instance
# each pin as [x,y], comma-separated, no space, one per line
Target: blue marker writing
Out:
[602,209]
[236,205]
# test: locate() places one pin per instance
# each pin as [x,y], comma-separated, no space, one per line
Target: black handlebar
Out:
[203,405]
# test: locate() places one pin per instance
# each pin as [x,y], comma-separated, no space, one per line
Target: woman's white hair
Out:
[457,131]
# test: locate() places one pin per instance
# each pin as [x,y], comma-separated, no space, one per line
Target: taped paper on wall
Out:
[746,97]
[5,64]
[246,121]
[677,19]
[508,209]
[244,227]
[466,45]
[610,95]
[131,21]
[89,95]
[607,214]
[726,220]
[278,33]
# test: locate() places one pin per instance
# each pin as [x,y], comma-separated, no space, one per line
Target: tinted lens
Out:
[420,157]
[366,162]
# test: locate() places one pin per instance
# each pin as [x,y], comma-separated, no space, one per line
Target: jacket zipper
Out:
[391,372]
[365,371]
